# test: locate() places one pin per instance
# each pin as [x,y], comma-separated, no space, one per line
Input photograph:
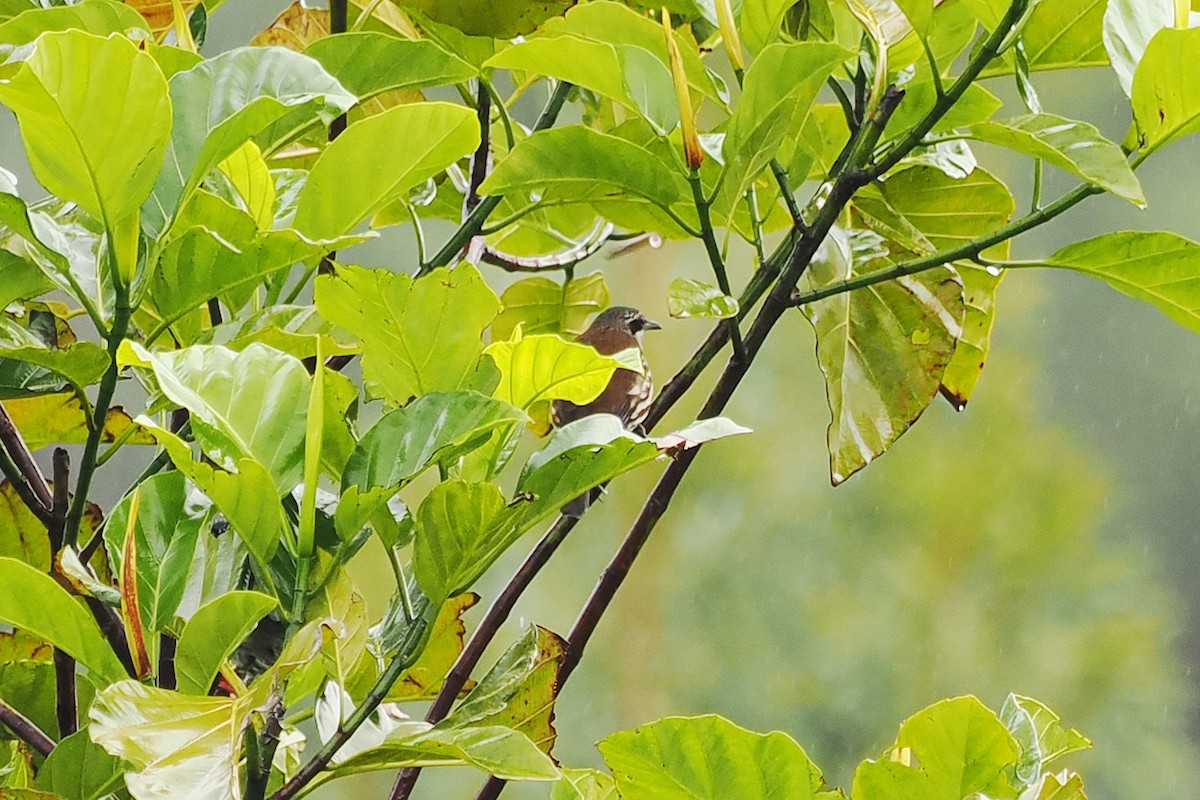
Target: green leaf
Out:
[519,691]
[943,212]
[919,14]
[354,178]
[1073,146]
[497,750]
[1039,734]
[577,164]
[23,279]
[95,117]
[1057,34]
[368,64]
[502,19]
[212,633]
[760,21]
[536,370]
[242,404]
[961,748]
[417,335]
[882,349]
[621,26]
[242,496]
[976,105]
[1129,25]
[541,305]
[81,364]
[264,94]
[1166,88]
[708,758]
[79,769]
[971,353]
[247,172]
[226,256]
[584,784]
[691,298]
[1064,786]
[99,17]
[452,542]
[183,748]
[34,602]
[780,88]
[1160,268]
[166,531]
[439,427]
[292,329]
[627,74]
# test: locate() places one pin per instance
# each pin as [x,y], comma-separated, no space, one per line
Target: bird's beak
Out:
[650,325]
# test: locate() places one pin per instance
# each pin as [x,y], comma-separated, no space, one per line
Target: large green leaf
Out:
[520,689]
[1129,25]
[265,94]
[780,88]
[958,749]
[625,73]
[941,212]
[452,541]
[34,602]
[225,256]
[183,748]
[417,335]
[708,758]
[436,427]
[166,530]
[1160,268]
[99,17]
[370,63]
[1070,145]
[759,22]
[541,305]
[882,349]
[79,769]
[242,404]
[95,118]
[582,164]
[537,370]
[245,496]
[212,633]
[584,784]
[1166,88]
[1058,34]
[355,177]
[617,24]
[23,279]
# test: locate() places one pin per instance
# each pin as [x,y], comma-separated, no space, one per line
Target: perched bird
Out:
[628,394]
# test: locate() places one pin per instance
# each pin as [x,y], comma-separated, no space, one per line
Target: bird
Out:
[628,394]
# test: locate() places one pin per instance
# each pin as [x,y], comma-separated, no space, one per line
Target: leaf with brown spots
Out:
[160,14]
[59,419]
[519,691]
[424,679]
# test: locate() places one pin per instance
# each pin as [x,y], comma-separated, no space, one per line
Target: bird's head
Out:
[625,318]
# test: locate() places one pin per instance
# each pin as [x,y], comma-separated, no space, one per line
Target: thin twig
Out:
[478,216]
[709,238]
[25,730]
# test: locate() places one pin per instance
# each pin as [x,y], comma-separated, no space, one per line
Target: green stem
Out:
[714,256]
[104,395]
[1035,201]
[933,67]
[478,216]
[969,250]
[845,102]
[780,173]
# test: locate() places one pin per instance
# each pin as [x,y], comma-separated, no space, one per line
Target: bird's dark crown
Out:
[627,318]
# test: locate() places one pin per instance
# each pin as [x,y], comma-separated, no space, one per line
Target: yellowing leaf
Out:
[59,419]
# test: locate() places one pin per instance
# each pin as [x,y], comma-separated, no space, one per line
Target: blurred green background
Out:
[1044,541]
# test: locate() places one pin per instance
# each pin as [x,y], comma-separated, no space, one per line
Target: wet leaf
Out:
[213,633]
[1128,28]
[370,64]
[691,298]
[1166,95]
[1040,735]
[700,432]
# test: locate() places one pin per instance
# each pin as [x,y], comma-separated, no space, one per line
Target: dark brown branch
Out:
[480,161]
[66,703]
[25,730]
[28,480]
